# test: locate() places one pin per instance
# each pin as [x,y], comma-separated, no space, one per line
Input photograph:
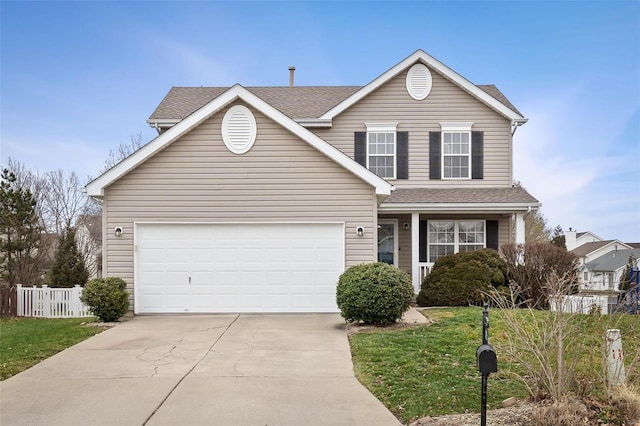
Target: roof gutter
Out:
[314,122]
[517,122]
[163,123]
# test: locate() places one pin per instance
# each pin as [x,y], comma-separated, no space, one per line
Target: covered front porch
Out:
[413,235]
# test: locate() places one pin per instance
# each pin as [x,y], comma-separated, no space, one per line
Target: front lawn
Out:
[431,369]
[27,341]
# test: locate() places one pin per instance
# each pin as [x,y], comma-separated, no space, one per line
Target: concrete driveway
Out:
[199,370]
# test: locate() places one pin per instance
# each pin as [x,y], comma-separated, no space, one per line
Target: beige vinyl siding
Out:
[196,179]
[446,102]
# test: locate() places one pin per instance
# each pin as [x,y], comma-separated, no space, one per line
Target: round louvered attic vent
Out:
[239,129]
[419,82]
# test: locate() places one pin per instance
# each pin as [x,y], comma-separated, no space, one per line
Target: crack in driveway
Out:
[191,369]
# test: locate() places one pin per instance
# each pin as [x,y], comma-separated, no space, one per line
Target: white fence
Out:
[48,302]
[579,304]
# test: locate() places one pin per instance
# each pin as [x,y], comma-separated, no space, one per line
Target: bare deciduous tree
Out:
[64,201]
[536,228]
[529,266]
[89,242]
[123,151]
[32,180]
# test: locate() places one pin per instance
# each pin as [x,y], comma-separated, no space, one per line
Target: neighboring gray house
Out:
[599,261]
[605,271]
[256,199]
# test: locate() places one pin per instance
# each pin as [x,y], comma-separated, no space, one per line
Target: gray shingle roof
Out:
[587,248]
[613,260]
[492,90]
[514,194]
[296,102]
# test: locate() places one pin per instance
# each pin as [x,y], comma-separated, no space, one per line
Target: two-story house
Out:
[256,199]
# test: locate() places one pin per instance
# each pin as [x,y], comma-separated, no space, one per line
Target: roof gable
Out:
[587,236]
[96,187]
[485,95]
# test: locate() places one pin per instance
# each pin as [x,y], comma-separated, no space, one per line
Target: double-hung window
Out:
[456,150]
[381,149]
[454,236]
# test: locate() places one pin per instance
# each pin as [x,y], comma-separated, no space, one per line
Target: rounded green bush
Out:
[107,298]
[460,279]
[375,293]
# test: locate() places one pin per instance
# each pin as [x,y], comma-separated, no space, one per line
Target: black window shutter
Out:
[477,150]
[422,231]
[435,150]
[402,155]
[492,234]
[360,148]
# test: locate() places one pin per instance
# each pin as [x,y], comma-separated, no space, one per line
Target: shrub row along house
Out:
[256,199]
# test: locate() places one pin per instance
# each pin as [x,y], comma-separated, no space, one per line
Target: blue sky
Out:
[79,78]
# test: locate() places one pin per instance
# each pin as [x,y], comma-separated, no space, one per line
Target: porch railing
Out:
[425,269]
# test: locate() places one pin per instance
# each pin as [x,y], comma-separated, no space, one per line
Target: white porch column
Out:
[415,251]
[520,238]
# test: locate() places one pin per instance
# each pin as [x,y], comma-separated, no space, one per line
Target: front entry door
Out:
[388,242]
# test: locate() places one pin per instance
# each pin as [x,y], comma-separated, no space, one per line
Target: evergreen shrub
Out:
[375,293]
[460,279]
[107,298]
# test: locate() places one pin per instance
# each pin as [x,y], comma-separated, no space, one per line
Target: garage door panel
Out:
[238,267]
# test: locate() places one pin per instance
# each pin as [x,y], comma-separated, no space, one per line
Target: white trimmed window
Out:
[456,150]
[381,149]
[454,236]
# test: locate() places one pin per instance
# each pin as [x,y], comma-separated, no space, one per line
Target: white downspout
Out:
[415,251]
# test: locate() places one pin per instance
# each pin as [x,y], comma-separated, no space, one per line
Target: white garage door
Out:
[237,267]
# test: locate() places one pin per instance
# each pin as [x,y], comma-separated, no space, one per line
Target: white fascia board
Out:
[96,187]
[427,59]
[459,207]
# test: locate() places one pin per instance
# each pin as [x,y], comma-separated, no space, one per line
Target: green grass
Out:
[27,341]
[431,369]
